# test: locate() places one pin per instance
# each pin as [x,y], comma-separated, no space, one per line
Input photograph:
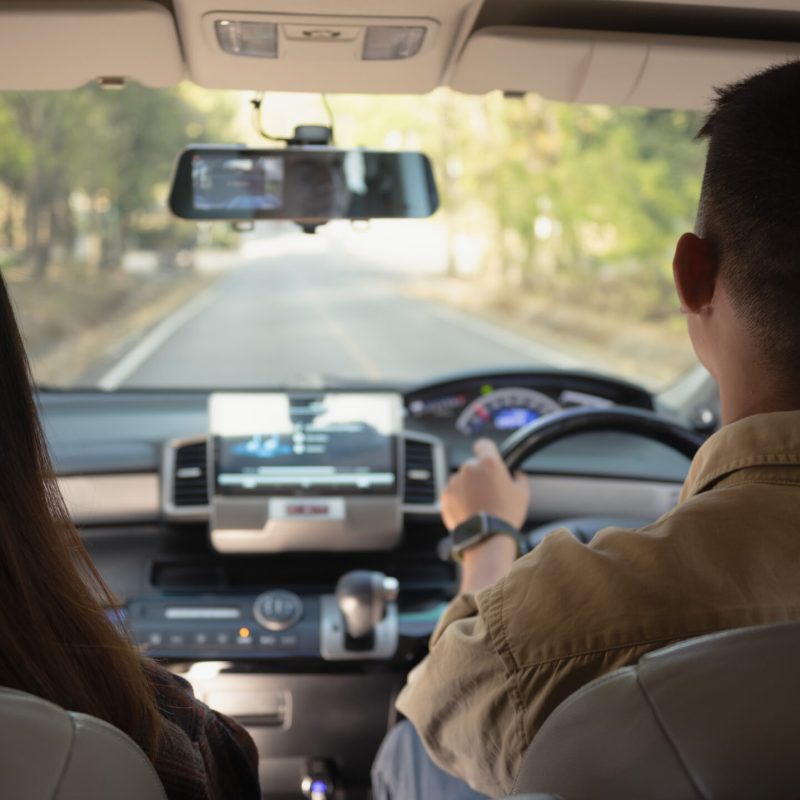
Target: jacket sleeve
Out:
[462,697]
[500,662]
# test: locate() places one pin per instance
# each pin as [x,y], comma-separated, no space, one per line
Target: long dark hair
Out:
[56,640]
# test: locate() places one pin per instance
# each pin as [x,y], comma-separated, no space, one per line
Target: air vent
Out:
[420,486]
[190,486]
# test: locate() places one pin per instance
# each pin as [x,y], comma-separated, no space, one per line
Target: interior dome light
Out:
[255,39]
[392,42]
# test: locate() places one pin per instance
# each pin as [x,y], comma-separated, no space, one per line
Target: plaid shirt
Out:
[202,754]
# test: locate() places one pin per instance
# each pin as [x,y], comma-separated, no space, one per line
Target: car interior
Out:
[276,541]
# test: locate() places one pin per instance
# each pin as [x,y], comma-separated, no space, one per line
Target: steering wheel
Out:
[540,433]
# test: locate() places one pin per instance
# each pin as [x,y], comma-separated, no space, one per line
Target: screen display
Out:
[303,443]
[237,182]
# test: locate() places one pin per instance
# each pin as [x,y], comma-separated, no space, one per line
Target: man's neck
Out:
[745,395]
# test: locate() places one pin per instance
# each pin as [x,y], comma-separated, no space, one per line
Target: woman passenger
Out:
[56,640]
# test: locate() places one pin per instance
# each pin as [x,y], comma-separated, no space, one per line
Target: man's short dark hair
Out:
[750,205]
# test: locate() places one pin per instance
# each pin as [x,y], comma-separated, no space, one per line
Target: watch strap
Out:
[477,529]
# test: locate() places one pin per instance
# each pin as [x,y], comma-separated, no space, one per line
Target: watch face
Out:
[478,528]
[471,527]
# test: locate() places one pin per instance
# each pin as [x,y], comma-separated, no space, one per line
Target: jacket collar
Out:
[761,440]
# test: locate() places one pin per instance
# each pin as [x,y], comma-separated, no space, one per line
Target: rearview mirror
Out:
[304,184]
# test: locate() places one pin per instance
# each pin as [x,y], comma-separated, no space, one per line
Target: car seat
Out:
[713,717]
[47,753]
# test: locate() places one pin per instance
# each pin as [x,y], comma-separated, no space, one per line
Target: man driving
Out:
[523,634]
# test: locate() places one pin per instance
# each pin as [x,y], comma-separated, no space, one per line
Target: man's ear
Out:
[694,269]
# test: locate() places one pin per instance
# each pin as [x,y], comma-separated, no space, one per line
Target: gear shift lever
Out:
[361,621]
[362,596]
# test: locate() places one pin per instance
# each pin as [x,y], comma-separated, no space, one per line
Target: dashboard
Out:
[206,509]
[333,470]
[143,456]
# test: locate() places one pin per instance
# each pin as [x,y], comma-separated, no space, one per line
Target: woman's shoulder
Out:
[201,754]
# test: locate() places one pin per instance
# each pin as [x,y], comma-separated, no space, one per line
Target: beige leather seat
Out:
[713,717]
[49,753]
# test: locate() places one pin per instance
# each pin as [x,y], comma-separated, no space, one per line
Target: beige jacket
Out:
[727,556]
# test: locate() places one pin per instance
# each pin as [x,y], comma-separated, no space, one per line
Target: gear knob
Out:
[362,596]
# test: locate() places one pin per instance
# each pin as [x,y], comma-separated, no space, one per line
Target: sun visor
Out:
[611,68]
[61,46]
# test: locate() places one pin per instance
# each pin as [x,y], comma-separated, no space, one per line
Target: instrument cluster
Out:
[494,406]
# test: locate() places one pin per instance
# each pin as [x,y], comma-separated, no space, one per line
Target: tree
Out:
[117,148]
[15,153]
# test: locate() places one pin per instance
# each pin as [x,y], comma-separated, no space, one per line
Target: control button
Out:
[278,609]
[176,640]
[279,605]
[244,637]
[154,639]
[288,642]
[267,641]
[200,639]
[223,639]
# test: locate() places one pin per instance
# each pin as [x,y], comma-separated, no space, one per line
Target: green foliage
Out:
[15,151]
[114,149]
[136,137]
[612,188]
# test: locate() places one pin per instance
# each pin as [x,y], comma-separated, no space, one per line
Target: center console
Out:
[319,478]
[359,622]
[273,591]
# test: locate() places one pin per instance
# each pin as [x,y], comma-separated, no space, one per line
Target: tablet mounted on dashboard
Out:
[305,471]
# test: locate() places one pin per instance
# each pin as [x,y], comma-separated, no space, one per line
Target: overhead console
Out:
[363,47]
[299,471]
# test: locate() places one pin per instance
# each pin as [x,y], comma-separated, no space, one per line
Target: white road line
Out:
[513,341]
[135,357]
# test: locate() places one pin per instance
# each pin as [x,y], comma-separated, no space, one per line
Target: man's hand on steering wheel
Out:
[484,485]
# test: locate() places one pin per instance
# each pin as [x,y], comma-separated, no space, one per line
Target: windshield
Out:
[552,246]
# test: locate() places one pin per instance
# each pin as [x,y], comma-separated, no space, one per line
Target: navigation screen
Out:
[279,444]
[230,181]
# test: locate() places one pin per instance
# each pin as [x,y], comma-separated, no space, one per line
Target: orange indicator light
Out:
[244,633]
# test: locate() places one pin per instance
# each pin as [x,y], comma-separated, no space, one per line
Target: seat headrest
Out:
[47,753]
[713,717]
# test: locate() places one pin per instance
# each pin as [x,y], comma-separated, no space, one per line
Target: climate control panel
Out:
[275,623]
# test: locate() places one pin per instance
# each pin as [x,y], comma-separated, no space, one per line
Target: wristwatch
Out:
[477,529]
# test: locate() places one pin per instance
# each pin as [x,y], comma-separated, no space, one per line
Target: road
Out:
[294,319]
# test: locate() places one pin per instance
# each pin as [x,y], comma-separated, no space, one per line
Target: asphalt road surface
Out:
[294,319]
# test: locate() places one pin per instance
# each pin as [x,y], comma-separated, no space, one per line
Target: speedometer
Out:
[504,410]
